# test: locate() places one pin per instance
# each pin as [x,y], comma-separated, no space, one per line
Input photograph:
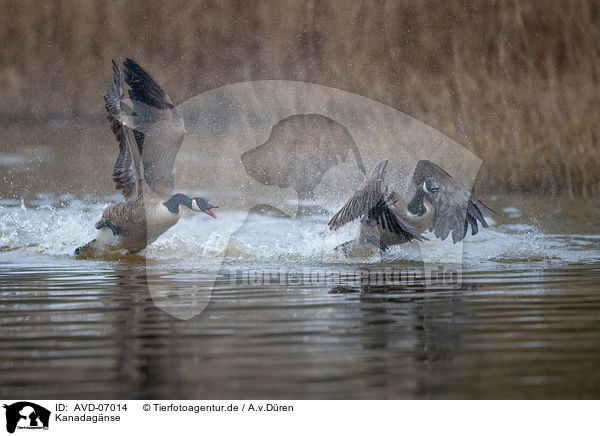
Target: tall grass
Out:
[517,82]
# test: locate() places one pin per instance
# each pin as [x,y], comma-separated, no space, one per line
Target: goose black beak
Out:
[431,185]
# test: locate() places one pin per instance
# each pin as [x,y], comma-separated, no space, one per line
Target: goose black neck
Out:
[178,199]
[416,206]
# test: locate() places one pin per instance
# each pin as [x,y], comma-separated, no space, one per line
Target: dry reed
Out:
[517,82]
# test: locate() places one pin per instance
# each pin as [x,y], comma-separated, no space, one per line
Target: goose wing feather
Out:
[374,200]
[127,170]
[159,130]
[455,207]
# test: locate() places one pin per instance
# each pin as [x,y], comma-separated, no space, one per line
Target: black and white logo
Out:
[26,415]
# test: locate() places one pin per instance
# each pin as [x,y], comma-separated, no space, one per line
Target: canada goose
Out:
[439,204]
[144,167]
[300,150]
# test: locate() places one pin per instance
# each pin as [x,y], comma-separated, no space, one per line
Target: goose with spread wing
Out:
[435,202]
[149,139]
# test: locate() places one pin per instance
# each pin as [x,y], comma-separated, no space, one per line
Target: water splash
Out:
[56,226]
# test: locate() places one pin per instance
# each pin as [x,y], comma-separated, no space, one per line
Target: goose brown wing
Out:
[455,207]
[368,196]
[374,200]
[385,215]
[126,171]
[158,128]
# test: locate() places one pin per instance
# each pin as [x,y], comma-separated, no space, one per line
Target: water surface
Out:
[524,323]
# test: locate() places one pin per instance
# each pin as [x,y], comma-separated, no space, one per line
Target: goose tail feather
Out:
[87,251]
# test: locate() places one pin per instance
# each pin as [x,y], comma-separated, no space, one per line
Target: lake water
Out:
[523,323]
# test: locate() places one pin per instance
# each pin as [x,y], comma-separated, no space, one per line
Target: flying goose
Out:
[149,140]
[436,202]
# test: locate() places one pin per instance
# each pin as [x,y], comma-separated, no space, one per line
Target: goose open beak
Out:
[211,213]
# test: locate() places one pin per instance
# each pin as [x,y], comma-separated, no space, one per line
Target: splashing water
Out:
[53,228]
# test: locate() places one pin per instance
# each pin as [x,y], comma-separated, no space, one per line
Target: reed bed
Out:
[516,82]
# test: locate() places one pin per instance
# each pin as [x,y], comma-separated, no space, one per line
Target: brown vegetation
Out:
[517,82]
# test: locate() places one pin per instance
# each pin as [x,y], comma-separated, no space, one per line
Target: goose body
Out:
[371,231]
[149,139]
[139,222]
[435,202]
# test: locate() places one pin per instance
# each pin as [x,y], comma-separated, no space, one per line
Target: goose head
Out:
[198,204]
[430,185]
[201,204]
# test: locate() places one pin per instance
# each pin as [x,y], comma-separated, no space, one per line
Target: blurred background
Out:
[516,82]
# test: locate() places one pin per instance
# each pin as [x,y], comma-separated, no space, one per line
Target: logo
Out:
[26,415]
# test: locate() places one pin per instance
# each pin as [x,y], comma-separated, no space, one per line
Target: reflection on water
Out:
[524,323]
[74,331]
